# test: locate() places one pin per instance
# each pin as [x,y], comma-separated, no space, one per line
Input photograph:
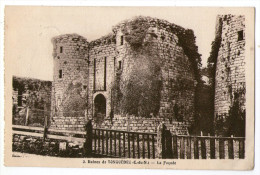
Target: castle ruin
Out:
[143,73]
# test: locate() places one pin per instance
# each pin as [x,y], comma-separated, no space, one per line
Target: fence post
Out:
[175,147]
[182,146]
[196,149]
[160,145]
[221,149]
[45,128]
[241,149]
[188,147]
[212,148]
[27,116]
[168,144]
[88,143]
[230,148]
[203,147]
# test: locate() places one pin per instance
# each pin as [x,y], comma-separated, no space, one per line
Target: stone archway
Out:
[100,108]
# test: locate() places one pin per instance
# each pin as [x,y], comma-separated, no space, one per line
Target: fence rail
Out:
[49,133]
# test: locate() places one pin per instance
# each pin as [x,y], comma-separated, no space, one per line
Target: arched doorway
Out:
[100,108]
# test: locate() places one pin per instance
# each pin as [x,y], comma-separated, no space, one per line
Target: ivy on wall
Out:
[135,32]
[73,103]
[140,94]
[211,69]
[237,115]
[233,123]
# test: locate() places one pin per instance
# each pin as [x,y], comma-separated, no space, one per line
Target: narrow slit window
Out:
[240,35]
[119,65]
[60,73]
[122,40]
[61,49]
[105,72]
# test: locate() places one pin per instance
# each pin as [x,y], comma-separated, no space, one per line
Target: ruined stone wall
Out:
[177,74]
[230,68]
[140,124]
[178,79]
[70,81]
[47,146]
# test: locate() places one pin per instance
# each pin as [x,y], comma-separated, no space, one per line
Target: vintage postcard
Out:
[129,87]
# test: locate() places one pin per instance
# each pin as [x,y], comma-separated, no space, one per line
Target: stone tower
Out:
[70,79]
[230,67]
[149,47]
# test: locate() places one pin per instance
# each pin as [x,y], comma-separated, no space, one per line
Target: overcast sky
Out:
[29,30]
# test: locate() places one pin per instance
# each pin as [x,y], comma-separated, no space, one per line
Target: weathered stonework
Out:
[69,88]
[230,65]
[101,67]
[140,124]
[50,147]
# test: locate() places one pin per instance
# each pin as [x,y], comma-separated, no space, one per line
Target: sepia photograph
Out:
[129,87]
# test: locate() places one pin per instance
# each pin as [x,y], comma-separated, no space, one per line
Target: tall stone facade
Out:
[103,72]
[70,81]
[230,68]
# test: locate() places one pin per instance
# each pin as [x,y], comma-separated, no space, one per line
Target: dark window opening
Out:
[94,74]
[60,73]
[163,37]
[61,49]
[105,72]
[122,40]
[240,35]
[119,65]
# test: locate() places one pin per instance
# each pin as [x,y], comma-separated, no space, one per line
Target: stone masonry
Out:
[230,83]
[85,73]
[230,69]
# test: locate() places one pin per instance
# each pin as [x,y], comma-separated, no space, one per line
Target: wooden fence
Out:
[49,133]
[114,143]
[126,144]
[203,147]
